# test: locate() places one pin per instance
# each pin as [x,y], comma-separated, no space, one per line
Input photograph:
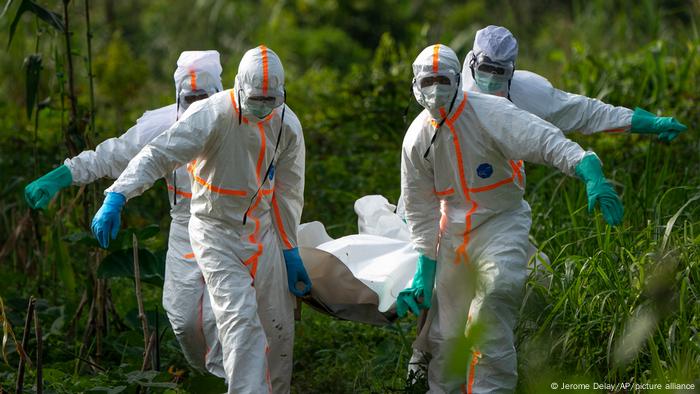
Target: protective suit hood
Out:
[197,72]
[499,46]
[496,42]
[260,74]
[436,61]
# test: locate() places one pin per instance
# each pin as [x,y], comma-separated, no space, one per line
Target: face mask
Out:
[436,96]
[491,84]
[258,110]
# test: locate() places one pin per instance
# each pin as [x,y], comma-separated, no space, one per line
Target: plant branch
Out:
[39,354]
[139,296]
[25,343]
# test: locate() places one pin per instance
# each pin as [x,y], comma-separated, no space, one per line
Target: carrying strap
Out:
[437,129]
[270,166]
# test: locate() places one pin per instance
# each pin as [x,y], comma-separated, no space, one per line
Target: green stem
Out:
[90,74]
[69,59]
[36,107]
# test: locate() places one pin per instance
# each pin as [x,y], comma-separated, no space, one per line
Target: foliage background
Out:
[618,305]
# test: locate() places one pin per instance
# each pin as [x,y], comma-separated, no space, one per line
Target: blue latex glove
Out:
[600,190]
[106,222]
[420,293]
[666,127]
[296,272]
[41,191]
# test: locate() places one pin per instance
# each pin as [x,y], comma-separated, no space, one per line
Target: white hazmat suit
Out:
[185,298]
[464,206]
[228,152]
[535,94]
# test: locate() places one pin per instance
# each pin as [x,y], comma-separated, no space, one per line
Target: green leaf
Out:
[108,390]
[42,13]
[64,268]
[463,351]
[24,6]
[147,232]
[83,238]
[132,320]
[4,10]
[146,378]
[120,264]
[201,384]
[125,237]
[141,376]
[123,241]
[47,16]
[32,63]
[43,103]
[160,385]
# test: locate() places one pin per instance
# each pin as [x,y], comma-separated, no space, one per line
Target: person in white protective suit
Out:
[462,181]
[490,68]
[245,150]
[185,299]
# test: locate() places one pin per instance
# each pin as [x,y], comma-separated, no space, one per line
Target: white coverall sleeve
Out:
[171,149]
[112,156]
[521,135]
[288,198]
[422,207]
[569,112]
[108,159]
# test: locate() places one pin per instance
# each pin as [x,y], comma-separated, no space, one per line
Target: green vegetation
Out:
[613,305]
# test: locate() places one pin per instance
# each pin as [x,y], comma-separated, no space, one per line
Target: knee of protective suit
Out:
[502,281]
[183,324]
[241,318]
[497,330]
[497,318]
[184,317]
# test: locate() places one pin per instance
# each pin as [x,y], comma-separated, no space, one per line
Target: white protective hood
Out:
[260,73]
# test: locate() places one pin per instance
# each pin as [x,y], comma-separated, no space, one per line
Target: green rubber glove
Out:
[666,127]
[420,293]
[600,190]
[41,191]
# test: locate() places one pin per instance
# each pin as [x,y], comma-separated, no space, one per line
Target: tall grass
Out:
[622,305]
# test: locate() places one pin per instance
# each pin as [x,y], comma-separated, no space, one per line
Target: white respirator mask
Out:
[435,91]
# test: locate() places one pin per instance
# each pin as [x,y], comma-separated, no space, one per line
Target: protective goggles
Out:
[268,101]
[272,98]
[191,97]
[434,80]
[483,64]
[428,80]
